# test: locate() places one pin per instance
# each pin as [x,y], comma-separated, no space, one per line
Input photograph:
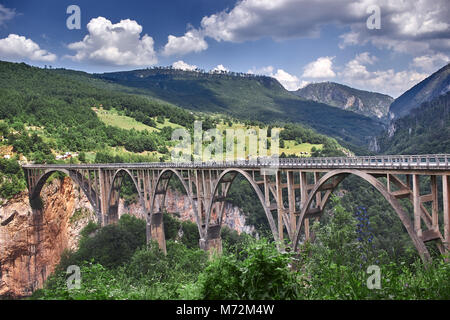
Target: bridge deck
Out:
[438,162]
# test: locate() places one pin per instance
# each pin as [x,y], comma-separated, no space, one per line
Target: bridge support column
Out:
[157,230]
[213,242]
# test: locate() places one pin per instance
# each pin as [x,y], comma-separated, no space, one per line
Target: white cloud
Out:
[304,84]
[219,68]
[430,63]
[405,25]
[255,19]
[289,81]
[192,41]
[181,65]
[6,14]
[420,27]
[117,44]
[366,58]
[262,71]
[16,47]
[321,68]
[356,74]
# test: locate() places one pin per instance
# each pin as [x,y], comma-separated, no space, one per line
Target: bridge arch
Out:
[341,174]
[234,172]
[77,178]
[167,175]
[112,200]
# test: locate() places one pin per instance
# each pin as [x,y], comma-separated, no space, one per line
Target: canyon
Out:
[32,240]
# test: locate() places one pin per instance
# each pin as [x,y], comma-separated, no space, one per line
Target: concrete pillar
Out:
[213,242]
[157,230]
[416,205]
[113,213]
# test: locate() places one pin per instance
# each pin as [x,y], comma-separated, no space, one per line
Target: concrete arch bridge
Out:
[292,191]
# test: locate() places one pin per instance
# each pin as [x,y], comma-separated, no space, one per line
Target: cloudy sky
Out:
[295,41]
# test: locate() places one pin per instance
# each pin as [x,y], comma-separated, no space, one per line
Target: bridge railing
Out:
[439,160]
[435,161]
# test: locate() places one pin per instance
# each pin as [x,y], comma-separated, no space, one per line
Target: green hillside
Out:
[435,85]
[425,130]
[246,97]
[45,112]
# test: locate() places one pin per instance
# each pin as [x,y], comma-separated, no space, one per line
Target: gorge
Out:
[32,241]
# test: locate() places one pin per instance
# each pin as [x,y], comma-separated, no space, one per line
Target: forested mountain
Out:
[246,97]
[370,104]
[433,86]
[425,129]
[44,112]
[60,108]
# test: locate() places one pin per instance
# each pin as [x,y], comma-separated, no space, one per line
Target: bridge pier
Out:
[157,230]
[213,242]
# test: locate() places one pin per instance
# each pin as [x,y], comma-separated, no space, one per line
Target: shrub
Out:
[263,274]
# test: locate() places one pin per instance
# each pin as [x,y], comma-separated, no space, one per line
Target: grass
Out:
[122,152]
[113,118]
[291,147]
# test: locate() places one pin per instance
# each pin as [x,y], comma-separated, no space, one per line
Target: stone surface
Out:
[33,240]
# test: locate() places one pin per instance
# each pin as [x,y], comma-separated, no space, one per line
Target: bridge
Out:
[292,193]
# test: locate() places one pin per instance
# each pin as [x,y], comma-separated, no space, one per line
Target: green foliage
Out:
[263,274]
[326,269]
[113,245]
[242,195]
[336,239]
[390,236]
[60,105]
[425,130]
[12,178]
[187,229]
[244,96]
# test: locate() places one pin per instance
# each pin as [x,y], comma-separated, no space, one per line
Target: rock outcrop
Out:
[370,104]
[32,241]
[177,202]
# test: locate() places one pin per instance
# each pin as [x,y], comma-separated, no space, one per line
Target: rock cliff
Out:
[32,241]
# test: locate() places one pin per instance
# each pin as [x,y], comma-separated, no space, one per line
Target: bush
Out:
[112,245]
[263,274]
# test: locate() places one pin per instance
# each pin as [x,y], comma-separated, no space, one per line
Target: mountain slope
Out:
[425,129]
[247,97]
[433,86]
[370,104]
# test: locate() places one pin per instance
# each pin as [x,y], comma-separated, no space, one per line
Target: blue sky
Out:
[295,41]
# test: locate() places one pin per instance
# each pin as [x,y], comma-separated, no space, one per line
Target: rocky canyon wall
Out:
[32,241]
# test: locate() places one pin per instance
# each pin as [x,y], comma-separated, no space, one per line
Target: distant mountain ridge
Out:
[245,97]
[370,104]
[432,87]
